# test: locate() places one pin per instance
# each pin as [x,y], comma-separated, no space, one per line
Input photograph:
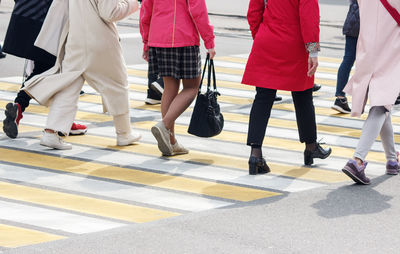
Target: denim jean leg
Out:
[347,63]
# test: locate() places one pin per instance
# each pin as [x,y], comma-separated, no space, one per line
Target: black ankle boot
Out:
[318,152]
[258,166]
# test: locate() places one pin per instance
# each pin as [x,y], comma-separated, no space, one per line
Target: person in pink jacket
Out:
[376,79]
[170,30]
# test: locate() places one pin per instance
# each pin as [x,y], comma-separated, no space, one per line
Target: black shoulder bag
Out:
[207,120]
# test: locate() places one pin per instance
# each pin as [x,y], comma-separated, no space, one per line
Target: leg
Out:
[63,108]
[23,98]
[341,103]
[347,64]
[259,117]
[372,127]
[305,117]
[174,104]
[355,168]
[387,138]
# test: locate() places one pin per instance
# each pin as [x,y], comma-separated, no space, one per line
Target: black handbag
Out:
[207,120]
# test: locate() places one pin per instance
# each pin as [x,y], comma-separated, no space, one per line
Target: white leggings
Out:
[379,121]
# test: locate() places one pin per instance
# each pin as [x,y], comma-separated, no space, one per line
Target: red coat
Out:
[279,58]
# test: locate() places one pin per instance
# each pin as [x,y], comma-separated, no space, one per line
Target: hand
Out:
[146,55]
[212,53]
[312,66]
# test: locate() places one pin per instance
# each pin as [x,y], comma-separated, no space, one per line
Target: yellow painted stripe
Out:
[218,160]
[82,204]
[9,87]
[272,142]
[13,237]
[131,175]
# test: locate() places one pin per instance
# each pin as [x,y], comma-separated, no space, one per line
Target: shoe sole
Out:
[176,153]
[162,145]
[77,132]
[316,89]
[56,148]
[392,173]
[341,110]
[10,126]
[353,177]
[157,88]
[149,101]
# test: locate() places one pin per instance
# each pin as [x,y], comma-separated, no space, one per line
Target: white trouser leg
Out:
[63,107]
[122,124]
[372,127]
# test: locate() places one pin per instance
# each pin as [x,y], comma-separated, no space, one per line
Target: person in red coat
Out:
[284,57]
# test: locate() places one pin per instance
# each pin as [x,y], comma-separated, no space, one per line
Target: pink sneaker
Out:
[77,129]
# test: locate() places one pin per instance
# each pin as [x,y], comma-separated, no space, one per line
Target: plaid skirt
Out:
[180,63]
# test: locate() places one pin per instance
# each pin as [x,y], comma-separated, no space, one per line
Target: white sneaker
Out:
[54,141]
[126,140]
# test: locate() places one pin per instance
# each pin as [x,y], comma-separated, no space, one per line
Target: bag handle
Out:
[209,65]
[204,71]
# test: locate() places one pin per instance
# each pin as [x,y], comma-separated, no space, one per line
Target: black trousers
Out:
[23,98]
[261,112]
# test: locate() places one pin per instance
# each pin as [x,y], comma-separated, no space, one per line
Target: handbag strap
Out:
[204,71]
[209,65]
[393,12]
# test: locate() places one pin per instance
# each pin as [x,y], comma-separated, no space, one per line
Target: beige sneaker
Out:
[54,141]
[179,149]
[126,140]
[162,136]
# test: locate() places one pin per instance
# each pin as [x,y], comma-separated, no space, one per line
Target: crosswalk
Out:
[48,195]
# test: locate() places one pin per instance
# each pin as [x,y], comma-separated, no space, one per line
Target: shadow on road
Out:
[354,199]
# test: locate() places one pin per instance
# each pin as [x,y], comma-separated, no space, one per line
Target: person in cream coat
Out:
[84,37]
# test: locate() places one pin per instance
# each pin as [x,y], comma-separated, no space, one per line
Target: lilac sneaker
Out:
[392,167]
[356,172]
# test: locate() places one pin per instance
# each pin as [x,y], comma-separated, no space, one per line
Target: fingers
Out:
[146,55]
[212,53]
[312,66]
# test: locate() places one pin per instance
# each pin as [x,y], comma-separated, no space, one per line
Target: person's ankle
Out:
[49,131]
[359,162]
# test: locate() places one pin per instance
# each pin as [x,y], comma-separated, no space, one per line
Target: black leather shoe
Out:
[278,98]
[2,55]
[316,87]
[258,166]
[319,153]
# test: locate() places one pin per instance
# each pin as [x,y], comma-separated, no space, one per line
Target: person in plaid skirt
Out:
[170,32]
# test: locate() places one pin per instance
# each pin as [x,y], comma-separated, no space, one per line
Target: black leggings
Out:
[23,98]
[261,112]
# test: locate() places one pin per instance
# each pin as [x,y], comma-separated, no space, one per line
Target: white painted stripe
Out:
[143,195]
[212,173]
[52,219]
[130,36]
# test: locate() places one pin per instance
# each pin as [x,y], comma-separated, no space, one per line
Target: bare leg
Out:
[174,104]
